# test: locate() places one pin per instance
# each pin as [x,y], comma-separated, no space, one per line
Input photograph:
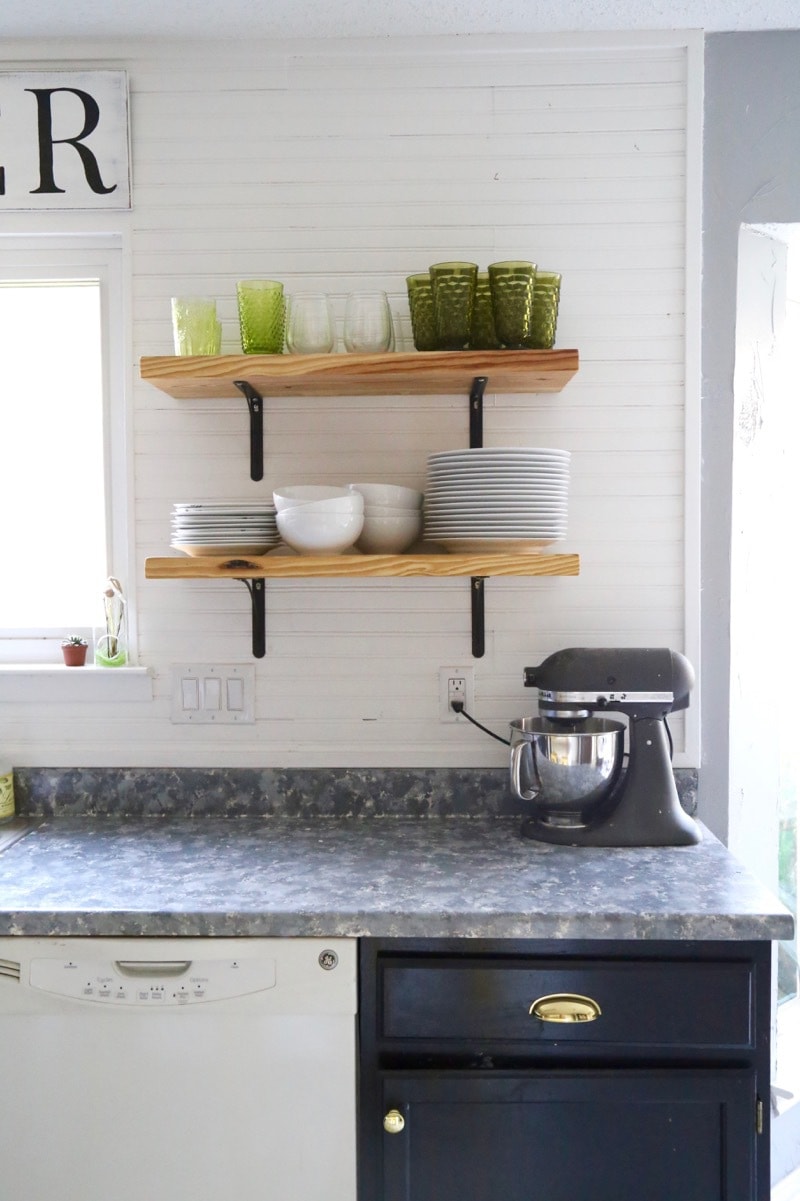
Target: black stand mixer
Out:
[637,805]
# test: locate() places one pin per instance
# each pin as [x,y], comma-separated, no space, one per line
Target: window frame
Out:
[100,256]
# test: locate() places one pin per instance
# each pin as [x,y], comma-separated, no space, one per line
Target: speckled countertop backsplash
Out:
[278,792]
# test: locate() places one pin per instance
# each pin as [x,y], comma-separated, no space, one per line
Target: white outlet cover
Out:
[446,674]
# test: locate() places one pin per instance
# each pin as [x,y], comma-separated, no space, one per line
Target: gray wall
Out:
[751,174]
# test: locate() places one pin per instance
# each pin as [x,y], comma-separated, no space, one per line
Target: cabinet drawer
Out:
[665,1003]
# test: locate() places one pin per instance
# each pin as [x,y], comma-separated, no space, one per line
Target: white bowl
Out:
[352,503]
[389,494]
[388,530]
[318,533]
[290,495]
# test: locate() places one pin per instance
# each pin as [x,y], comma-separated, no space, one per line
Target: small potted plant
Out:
[74,650]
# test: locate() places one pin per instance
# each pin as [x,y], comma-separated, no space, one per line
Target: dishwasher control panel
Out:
[151,984]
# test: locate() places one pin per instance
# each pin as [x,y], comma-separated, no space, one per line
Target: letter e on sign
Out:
[64,140]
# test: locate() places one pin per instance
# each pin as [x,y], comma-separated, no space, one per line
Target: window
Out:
[63,482]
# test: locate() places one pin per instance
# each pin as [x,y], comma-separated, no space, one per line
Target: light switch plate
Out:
[213,693]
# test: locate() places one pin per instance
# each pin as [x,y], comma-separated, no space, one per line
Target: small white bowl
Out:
[318,533]
[389,494]
[388,530]
[352,503]
[290,495]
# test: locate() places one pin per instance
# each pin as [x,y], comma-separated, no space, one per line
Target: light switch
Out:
[213,693]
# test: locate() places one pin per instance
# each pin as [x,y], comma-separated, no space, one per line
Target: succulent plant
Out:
[74,640]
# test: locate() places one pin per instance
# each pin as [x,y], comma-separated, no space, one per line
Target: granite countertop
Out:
[391,876]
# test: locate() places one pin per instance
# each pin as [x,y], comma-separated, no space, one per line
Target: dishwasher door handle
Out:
[152,967]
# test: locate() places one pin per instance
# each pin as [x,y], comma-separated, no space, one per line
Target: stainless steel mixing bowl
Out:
[565,770]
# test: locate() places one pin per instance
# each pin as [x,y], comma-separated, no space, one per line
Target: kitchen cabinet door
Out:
[570,1135]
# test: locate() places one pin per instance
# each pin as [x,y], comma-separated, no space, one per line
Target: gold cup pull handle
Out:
[393,1121]
[565,1007]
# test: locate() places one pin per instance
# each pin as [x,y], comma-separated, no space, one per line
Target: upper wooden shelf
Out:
[416,374]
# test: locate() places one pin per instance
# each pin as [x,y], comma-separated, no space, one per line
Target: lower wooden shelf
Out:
[281,566]
[254,571]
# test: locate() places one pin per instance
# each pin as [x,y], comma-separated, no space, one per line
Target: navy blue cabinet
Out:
[519,1071]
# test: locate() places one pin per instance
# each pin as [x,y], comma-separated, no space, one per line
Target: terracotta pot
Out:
[74,656]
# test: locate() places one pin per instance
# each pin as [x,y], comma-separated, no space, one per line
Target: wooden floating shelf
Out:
[420,373]
[286,567]
[426,373]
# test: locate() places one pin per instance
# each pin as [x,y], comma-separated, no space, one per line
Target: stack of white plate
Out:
[224,529]
[503,498]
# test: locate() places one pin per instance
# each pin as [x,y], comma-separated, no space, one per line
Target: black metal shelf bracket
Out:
[258,598]
[478,623]
[477,582]
[476,411]
[255,403]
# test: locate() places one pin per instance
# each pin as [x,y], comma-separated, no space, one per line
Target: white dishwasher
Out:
[177,1069]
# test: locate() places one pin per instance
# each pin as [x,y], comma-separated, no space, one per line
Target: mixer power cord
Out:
[458,707]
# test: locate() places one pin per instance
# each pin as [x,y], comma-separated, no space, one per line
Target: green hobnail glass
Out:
[453,287]
[420,306]
[546,296]
[262,315]
[482,334]
[512,285]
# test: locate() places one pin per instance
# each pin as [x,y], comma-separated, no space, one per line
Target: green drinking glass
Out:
[546,295]
[453,288]
[512,285]
[195,328]
[482,334]
[420,306]
[262,315]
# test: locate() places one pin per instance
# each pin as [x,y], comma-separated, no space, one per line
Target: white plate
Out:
[224,535]
[477,546]
[543,529]
[536,475]
[542,525]
[498,487]
[225,526]
[263,506]
[489,453]
[244,518]
[226,549]
[496,507]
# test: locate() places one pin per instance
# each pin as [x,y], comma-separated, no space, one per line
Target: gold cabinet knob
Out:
[565,1007]
[393,1121]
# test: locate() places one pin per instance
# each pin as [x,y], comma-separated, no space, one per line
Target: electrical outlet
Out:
[456,684]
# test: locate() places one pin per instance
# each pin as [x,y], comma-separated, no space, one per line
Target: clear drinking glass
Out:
[368,322]
[310,329]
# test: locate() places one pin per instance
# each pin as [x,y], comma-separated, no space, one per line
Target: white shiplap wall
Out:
[346,165]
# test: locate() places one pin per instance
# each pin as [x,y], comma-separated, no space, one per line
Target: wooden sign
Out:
[64,140]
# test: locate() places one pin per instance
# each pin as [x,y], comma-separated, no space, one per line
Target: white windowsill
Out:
[21,682]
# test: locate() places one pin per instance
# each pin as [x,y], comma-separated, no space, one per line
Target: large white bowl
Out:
[318,533]
[388,531]
[335,500]
[389,494]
